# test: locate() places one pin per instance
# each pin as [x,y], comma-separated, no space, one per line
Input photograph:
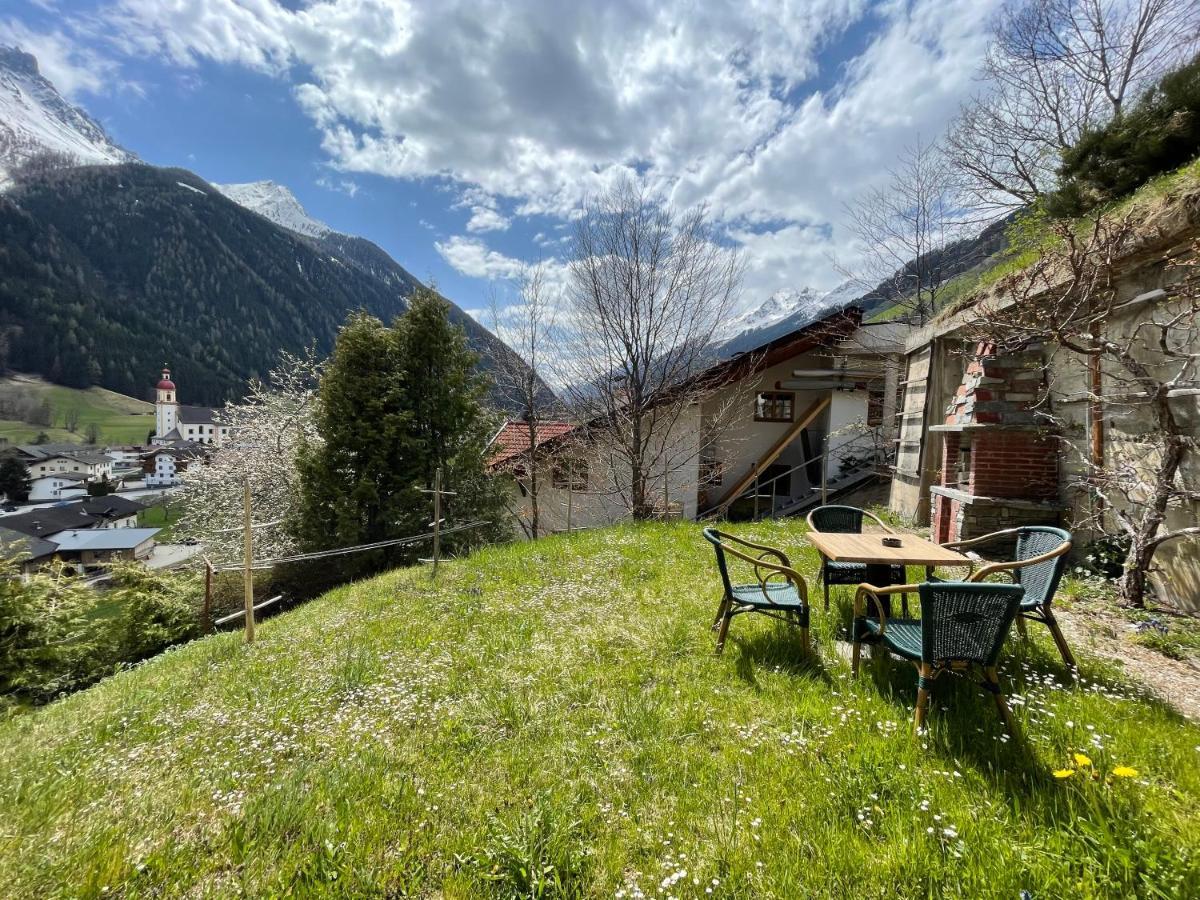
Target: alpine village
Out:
[781,481]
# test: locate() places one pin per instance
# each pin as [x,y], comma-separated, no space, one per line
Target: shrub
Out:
[1161,133]
[156,610]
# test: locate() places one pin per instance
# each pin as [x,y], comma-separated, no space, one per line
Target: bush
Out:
[1160,134]
[59,634]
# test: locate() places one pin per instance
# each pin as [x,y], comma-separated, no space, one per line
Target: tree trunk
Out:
[1132,585]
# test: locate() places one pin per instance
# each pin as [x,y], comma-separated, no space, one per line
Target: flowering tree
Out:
[266,431]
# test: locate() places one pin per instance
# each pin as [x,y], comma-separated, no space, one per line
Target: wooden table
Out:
[869,549]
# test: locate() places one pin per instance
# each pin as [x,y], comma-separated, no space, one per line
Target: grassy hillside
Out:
[121,419]
[549,720]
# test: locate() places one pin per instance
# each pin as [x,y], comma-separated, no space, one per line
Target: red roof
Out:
[166,384]
[513,439]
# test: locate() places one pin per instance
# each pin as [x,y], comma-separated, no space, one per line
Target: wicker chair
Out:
[962,624]
[1039,562]
[778,590]
[847,520]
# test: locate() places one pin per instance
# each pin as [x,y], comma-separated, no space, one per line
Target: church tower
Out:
[166,407]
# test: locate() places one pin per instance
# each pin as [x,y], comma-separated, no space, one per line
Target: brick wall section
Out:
[999,390]
[1016,464]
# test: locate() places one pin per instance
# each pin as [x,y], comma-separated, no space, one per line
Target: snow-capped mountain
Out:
[779,306]
[275,202]
[782,312]
[35,118]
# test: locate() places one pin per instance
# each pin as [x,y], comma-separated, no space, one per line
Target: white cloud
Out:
[71,67]
[484,218]
[526,107]
[473,258]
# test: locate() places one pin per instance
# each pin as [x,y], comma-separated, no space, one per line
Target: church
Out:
[175,422]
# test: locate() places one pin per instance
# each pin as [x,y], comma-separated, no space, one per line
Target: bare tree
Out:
[1055,68]
[1142,356]
[649,288]
[527,326]
[902,230]
[71,419]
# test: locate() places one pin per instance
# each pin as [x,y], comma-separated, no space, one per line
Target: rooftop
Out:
[513,439]
[104,538]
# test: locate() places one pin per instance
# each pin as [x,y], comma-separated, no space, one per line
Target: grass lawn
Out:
[121,419]
[157,517]
[549,720]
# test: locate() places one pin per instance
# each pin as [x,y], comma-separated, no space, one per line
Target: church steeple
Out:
[166,407]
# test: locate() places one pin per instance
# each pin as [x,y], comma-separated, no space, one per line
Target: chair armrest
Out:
[869,590]
[763,548]
[993,568]
[958,545]
[786,571]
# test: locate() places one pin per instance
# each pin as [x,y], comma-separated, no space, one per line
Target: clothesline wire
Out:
[358,548]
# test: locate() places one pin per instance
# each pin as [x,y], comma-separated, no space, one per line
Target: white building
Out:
[175,422]
[58,486]
[812,412]
[165,466]
[58,459]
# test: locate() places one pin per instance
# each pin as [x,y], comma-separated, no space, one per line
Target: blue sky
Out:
[462,137]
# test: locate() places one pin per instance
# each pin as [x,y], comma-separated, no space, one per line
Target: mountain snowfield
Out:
[35,117]
[782,312]
[276,203]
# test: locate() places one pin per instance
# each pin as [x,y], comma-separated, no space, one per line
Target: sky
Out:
[462,136]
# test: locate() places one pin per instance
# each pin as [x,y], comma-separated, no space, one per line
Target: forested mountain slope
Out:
[107,272]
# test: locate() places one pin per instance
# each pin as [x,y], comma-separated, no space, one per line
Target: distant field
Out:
[158,517]
[121,419]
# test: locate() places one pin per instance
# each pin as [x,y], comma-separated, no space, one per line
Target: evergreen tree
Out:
[14,476]
[394,404]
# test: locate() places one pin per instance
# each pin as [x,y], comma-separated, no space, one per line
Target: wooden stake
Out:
[437,518]
[247,562]
[206,611]
[570,494]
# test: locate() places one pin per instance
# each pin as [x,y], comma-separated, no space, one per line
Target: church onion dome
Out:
[166,384]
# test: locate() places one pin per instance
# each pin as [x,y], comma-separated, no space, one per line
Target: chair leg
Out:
[1010,724]
[725,620]
[924,672]
[1061,641]
[1021,629]
[721,607]
[855,656]
[825,578]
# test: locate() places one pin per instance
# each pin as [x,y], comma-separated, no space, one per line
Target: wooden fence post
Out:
[206,610]
[247,565]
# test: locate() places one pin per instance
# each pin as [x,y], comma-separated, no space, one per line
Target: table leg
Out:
[881,576]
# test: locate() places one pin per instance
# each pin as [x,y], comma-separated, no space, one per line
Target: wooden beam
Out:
[773,453]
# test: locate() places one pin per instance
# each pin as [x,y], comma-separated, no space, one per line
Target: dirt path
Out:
[1173,681]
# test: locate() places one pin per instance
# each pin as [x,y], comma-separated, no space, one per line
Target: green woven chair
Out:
[963,624]
[1040,558]
[833,519]
[778,590]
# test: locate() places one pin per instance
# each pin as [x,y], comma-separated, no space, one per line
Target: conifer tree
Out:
[395,404]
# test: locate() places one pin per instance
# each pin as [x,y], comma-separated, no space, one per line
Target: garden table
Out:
[869,548]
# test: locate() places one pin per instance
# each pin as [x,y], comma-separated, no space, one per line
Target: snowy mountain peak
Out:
[779,306]
[36,118]
[275,202]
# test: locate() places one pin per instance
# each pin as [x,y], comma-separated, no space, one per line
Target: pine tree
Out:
[394,404]
[14,477]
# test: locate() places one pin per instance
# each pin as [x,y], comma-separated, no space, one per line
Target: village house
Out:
[53,459]
[93,547]
[810,414]
[165,466]
[58,486]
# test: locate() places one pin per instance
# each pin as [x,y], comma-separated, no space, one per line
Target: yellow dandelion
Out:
[1081,760]
[1125,772]
[1063,773]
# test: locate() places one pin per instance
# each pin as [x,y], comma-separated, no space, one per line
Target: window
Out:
[570,474]
[775,406]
